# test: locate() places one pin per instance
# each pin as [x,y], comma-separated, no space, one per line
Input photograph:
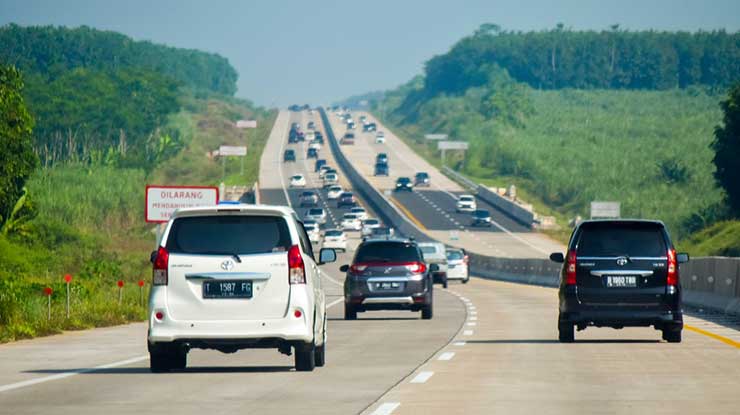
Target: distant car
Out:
[381,169]
[351,222]
[298,181]
[346,199]
[301,136]
[363,118]
[382,232]
[323,169]
[311,125]
[347,139]
[466,203]
[457,265]
[422,179]
[368,225]
[330,179]
[319,137]
[315,145]
[381,158]
[318,164]
[380,137]
[481,217]
[312,153]
[435,253]
[308,199]
[334,192]
[292,137]
[620,273]
[350,125]
[317,214]
[369,127]
[310,135]
[313,231]
[335,239]
[404,183]
[359,211]
[289,155]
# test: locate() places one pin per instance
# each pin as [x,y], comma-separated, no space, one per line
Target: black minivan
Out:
[620,273]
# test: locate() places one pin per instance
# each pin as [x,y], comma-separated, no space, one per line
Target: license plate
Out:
[621,281]
[387,285]
[451,266]
[227,289]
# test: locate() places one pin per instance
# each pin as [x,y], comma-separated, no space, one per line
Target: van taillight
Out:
[570,268]
[672,276]
[161,263]
[417,267]
[296,267]
[357,269]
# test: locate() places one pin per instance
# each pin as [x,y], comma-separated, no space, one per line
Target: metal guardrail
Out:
[711,282]
[460,179]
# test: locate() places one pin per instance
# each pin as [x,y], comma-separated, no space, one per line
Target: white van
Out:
[216,286]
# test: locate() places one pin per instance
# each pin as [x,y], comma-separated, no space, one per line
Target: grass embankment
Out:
[647,149]
[90,224]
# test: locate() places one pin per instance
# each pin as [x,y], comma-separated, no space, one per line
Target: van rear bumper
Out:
[623,317]
[290,328]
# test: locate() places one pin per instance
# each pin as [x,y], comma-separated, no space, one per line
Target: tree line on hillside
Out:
[52,51]
[564,58]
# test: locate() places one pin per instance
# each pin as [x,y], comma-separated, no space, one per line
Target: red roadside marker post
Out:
[47,292]
[141,293]
[67,281]
[120,291]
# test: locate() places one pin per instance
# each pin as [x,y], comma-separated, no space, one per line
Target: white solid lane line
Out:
[422,377]
[331,279]
[335,302]
[44,379]
[386,408]
[446,356]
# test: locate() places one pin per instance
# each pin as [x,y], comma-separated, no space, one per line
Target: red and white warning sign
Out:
[162,201]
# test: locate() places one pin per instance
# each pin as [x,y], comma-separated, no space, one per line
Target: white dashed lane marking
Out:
[386,408]
[422,377]
[446,356]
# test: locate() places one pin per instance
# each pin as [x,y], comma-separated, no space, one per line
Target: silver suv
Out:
[388,274]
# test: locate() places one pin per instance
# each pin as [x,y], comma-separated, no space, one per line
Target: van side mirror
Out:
[344,268]
[682,258]
[153,256]
[557,257]
[327,255]
[434,268]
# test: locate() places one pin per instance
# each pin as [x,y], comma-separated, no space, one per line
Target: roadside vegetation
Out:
[77,148]
[583,116]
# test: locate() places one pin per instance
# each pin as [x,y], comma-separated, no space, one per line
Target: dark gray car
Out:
[388,274]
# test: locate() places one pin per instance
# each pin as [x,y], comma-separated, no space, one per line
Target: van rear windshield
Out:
[387,252]
[242,235]
[610,239]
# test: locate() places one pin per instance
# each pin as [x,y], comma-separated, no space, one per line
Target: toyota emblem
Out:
[227,265]
[388,270]
[622,261]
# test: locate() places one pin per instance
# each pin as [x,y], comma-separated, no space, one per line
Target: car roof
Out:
[624,221]
[272,210]
[390,239]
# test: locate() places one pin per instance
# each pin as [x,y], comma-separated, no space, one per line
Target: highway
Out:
[491,348]
[432,209]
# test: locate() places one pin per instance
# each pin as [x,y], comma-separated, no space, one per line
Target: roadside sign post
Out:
[141,293]
[120,291]
[67,281]
[47,292]
[443,146]
[231,151]
[605,210]
[163,201]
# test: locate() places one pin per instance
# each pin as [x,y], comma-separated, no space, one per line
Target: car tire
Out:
[566,332]
[305,357]
[672,336]
[166,357]
[159,362]
[349,312]
[320,355]
[465,281]
[427,312]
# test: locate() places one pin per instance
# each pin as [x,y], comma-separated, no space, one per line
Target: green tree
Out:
[17,159]
[726,145]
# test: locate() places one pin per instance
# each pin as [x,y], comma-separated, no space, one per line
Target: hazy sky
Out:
[317,51]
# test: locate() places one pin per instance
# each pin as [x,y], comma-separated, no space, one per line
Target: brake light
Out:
[357,268]
[161,263]
[417,267]
[570,268]
[296,268]
[672,277]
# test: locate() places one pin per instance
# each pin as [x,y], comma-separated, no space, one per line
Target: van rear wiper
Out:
[231,254]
